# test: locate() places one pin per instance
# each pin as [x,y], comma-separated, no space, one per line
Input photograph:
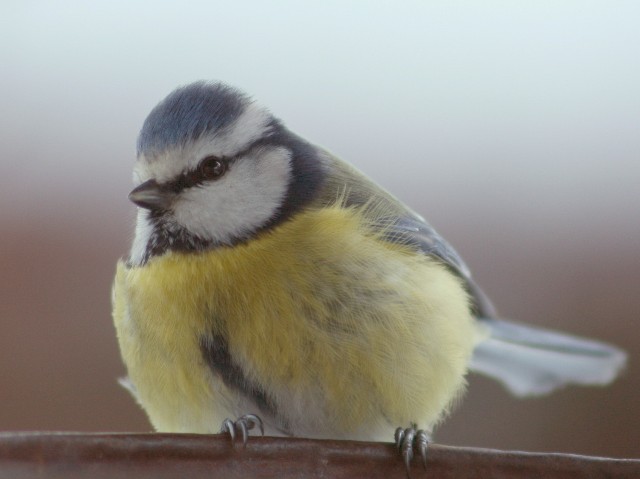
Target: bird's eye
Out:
[212,168]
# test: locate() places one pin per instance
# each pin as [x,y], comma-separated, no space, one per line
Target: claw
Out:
[244,424]
[407,439]
[422,441]
[243,429]
[253,421]
[407,447]
[229,426]
[399,436]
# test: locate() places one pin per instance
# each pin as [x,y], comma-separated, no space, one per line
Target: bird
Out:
[271,282]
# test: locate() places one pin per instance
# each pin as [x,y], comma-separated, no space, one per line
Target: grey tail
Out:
[532,361]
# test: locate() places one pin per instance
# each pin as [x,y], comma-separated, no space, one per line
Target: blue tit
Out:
[268,276]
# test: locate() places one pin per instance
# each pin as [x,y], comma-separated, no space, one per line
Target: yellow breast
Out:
[347,335]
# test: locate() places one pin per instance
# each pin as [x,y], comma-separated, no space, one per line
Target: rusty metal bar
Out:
[141,456]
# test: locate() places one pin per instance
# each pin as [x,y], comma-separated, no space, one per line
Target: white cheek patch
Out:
[240,202]
[251,125]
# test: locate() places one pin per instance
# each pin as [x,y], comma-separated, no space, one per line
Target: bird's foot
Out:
[410,438]
[243,424]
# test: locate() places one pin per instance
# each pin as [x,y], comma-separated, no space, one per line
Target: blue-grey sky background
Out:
[529,107]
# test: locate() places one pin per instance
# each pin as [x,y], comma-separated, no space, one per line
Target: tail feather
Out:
[532,361]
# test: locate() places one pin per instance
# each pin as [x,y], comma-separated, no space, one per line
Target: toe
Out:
[228,426]
[406,449]
[252,421]
[411,439]
[399,436]
[243,424]
[422,443]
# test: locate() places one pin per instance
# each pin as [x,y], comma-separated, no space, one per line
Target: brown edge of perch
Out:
[106,455]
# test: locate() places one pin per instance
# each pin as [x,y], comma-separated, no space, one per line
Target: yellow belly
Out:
[347,334]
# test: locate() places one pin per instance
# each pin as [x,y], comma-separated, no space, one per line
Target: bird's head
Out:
[214,168]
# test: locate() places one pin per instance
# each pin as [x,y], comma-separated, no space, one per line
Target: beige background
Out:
[513,127]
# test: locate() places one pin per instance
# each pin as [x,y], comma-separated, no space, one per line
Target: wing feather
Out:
[399,224]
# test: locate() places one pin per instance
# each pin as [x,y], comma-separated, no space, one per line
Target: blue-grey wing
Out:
[414,231]
[398,223]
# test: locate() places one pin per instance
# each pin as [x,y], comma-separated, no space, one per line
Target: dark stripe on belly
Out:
[215,351]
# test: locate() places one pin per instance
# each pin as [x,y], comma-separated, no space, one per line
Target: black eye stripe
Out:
[203,172]
[195,177]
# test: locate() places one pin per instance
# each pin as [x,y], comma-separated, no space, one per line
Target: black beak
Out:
[151,195]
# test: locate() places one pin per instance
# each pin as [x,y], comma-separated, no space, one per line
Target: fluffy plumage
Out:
[268,276]
[323,361]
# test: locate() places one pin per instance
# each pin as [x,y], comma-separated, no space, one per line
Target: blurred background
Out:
[514,127]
